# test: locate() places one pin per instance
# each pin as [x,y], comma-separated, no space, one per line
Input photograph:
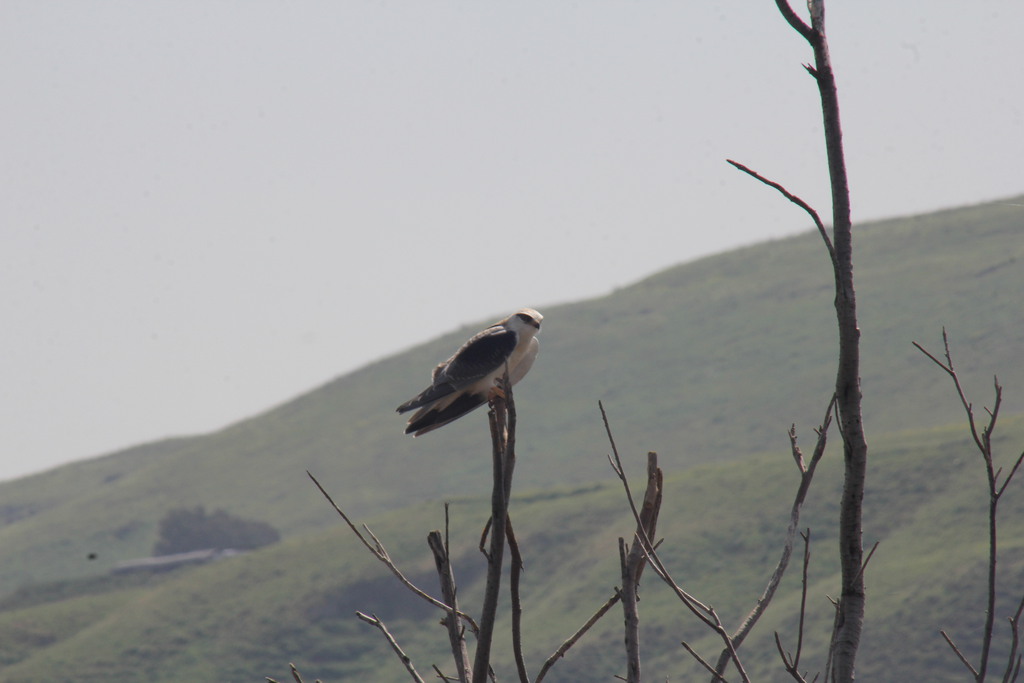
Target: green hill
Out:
[707,363]
[246,617]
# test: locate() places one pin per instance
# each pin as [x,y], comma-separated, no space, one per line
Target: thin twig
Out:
[806,476]
[948,368]
[703,612]
[373,620]
[482,547]
[792,662]
[699,609]
[795,21]
[516,570]
[575,637]
[803,597]
[788,661]
[617,467]
[441,675]
[956,650]
[983,442]
[456,637]
[717,677]
[830,659]
[867,559]
[295,675]
[380,552]
[1013,471]
[796,200]
[729,644]
[1014,642]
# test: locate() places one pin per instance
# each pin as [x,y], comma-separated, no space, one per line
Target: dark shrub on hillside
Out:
[182,530]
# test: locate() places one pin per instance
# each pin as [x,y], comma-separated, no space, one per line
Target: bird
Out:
[467,379]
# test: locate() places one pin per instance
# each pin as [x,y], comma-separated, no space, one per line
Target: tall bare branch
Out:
[850,618]
[502,419]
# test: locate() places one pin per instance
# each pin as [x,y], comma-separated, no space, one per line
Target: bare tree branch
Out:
[867,558]
[631,617]
[850,619]
[374,621]
[575,637]
[788,661]
[796,200]
[648,546]
[380,552]
[792,662]
[441,675]
[730,646]
[1013,471]
[983,442]
[633,561]
[515,572]
[703,612]
[948,368]
[806,475]
[829,660]
[456,637]
[295,675]
[1013,659]
[803,598]
[795,21]
[502,422]
[956,650]
[715,676]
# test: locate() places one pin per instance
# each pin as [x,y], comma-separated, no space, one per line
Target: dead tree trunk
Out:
[502,419]
[850,617]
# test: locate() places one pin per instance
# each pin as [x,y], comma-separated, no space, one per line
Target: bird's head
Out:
[525,319]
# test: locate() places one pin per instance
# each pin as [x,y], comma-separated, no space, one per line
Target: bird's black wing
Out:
[479,357]
[474,360]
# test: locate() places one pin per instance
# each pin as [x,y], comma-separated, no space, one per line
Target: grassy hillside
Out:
[706,362]
[246,617]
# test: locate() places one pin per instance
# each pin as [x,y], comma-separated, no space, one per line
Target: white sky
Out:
[209,207]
